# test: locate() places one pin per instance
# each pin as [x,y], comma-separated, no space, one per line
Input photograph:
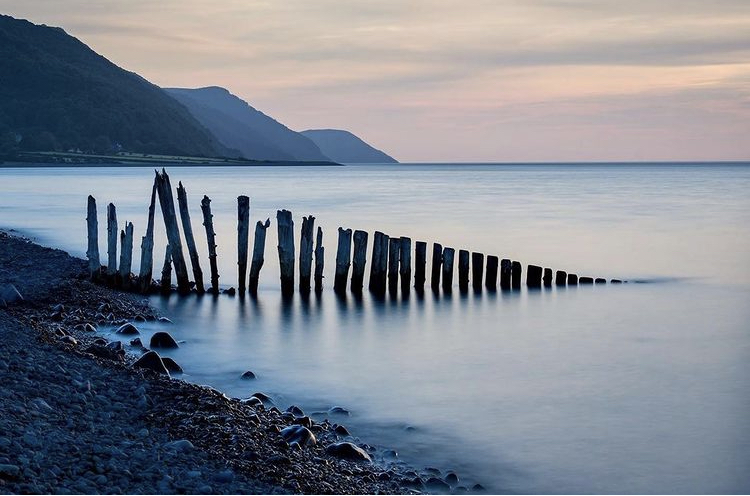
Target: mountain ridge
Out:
[346,147]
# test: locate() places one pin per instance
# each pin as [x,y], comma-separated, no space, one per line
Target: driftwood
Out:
[505,274]
[420,265]
[547,279]
[243,236]
[343,260]
[463,271]
[208,223]
[490,281]
[166,200]
[147,248]
[92,226]
[359,261]
[515,269]
[306,253]
[285,227]
[394,247]
[477,271]
[448,256]
[404,267]
[319,260]
[187,229]
[437,262]
[111,240]
[561,278]
[126,253]
[166,272]
[259,248]
[379,264]
[534,276]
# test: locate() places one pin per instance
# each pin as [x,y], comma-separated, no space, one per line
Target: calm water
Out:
[639,388]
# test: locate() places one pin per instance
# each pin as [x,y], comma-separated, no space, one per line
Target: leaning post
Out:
[166,200]
[147,247]
[187,228]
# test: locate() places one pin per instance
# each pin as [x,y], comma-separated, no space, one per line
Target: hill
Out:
[58,94]
[345,147]
[239,126]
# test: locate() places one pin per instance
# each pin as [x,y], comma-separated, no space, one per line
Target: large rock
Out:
[171,365]
[151,361]
[9,294]
[163,339]
[127,329]
[348,451]
[299,435]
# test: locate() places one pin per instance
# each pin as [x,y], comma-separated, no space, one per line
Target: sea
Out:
[642,387]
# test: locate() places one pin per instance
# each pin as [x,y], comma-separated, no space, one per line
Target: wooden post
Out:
[516,270]
[243,236]
[437,262]
[166,200]
[534,276]
[126,253]
[572,280]
[420,265]
[319,260]
[463,270]
[560,278]
[404,264]
[259,249]
[448,256]
[111,240]
[166,272]
[505,274]
[359,261]
[343,260]
[147,247]
[187,228]
[378,268]
[285,226]
[92,225]
[477,271]
[586,280]
[208,223]
[490,281]
[547,279]
[306,253]
[600,280]
[394,246]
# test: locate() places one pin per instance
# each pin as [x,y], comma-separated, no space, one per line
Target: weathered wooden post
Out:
[448,256]
[92,225]
[285,227]
[505,274]
[343,260]
[166,272]
[306,253]
[126,253]
[166,200]
[394,245]
[534,276]
[561,278]
[572,280]
[259,249]
[600,280]
[319,260]
[379,265]
[404,264]
[420,265]
[491,276]
[359,261]
[586,280]
[463,271]
[147,247]
[243,237]
[187,229]
[477,271]
[111,241]
[547,279]
[208,223]
[516,270]
[437,262]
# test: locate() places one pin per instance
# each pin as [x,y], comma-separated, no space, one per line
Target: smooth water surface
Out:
[636,388]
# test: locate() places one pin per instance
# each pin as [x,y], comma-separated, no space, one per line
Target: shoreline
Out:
[76,394]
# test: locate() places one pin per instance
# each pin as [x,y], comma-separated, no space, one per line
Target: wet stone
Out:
[337,410]
[348,451]
[163,339]
[151,361]
[297,434]
[127,329]
[171,365]
[248,375]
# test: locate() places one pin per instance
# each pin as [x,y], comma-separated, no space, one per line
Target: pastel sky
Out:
[453,80]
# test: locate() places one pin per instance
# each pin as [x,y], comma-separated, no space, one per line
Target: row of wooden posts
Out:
[391,262]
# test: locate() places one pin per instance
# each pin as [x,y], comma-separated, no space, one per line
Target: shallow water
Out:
[637,388]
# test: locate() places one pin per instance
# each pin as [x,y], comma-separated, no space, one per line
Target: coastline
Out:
[83,420]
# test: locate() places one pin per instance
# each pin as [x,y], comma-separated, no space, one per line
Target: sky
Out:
[453,80]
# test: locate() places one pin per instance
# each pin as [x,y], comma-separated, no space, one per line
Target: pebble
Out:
[348,451]
[205,490]
[341,430]
[224,477]
[69,340]
[297,434]
[128,329]
[8,471]
[180,445]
